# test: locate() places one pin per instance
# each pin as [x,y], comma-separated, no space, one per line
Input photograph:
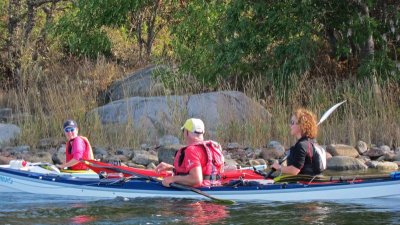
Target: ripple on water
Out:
[24,208]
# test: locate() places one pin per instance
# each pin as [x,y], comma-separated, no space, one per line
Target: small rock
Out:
[168,140]
[361,147]
[388,166]
[231,146]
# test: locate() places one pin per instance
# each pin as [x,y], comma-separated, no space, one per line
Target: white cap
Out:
[194,125]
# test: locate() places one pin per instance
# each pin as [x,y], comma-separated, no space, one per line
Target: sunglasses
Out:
[69,129]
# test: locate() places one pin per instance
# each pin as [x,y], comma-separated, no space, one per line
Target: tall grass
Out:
[48,97]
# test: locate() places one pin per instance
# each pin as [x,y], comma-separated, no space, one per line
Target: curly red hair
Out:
[307,122]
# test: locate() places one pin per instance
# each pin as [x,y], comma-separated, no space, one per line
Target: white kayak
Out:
[67,185]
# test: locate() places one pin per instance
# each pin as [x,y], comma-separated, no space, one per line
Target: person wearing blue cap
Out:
[77,148]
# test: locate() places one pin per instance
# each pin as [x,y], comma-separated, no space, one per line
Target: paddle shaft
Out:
[349,178]
[174,185]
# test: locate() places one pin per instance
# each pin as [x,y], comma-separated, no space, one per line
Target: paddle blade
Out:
[329,112]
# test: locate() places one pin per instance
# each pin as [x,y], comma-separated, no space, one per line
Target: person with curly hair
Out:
[303,126]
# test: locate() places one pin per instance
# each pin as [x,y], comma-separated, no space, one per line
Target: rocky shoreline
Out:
[341,157]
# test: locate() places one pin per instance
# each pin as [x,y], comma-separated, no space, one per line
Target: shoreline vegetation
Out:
[58,57]
[371,113]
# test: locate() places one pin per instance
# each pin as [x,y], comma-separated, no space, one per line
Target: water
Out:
[23,208]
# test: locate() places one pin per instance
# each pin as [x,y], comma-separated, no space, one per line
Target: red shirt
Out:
[195,156]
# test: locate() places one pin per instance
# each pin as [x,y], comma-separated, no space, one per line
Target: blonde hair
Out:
[307,122]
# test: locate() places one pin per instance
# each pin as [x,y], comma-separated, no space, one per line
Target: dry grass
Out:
[69,90]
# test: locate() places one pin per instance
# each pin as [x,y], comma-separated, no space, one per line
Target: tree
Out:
[141,19]
[226,38]
[21,20]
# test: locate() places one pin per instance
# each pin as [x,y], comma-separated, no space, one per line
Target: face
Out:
[295,128]
[71,132]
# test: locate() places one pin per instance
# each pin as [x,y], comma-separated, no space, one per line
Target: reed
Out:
[62,91]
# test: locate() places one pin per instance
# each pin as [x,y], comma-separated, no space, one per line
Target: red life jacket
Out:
[215,162]
[88,154]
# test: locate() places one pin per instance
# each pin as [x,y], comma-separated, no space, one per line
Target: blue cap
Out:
[70,123]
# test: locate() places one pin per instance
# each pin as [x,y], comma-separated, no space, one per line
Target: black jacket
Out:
[299,156]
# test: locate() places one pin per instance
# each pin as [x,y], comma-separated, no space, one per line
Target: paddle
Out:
[174,185]
[350,178]
[323,118]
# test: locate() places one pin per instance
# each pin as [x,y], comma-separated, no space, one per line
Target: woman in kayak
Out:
[200,163]
[77,148]
[303,126]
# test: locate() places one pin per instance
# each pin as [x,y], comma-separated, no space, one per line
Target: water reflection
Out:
[36,209]
[205,213]
[313,212]
[81,219]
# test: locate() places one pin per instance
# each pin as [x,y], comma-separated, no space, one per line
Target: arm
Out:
[194,178]
[70,163]
[163,167]
[78,149]
[295,161]
[286,169]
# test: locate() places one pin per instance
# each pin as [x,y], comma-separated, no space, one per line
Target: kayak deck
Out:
[139,187]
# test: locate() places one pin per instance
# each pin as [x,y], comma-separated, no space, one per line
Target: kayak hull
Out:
[65,185]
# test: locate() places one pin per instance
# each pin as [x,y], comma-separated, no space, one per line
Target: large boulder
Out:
[8,132]
[139,83]
[165,114]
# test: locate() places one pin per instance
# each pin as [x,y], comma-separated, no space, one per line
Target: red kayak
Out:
[101,167]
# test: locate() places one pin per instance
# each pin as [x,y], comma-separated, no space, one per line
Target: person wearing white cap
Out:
[197,164]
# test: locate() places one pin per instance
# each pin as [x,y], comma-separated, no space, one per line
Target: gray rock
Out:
[387,166]
[275,152]
[167,153]
[232,146]
[342,150]
[100,151]
[5,114]
[273,144]
[144,158]
[262,161]
[21,149]
[8,133]
[156,116]
[145,146]
[361,147]
[140,83]
[385,148]
[42,156]
[47,143]
[372,164]
[128,152]
[342,163]
[364,158]
[230,164]
[151,166]
[374,153]
[168,140]
[59,156]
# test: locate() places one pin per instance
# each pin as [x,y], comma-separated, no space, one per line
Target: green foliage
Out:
[80,30]
[240,37]
[282,38]
[195,37]
[79,36]
[3,21]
